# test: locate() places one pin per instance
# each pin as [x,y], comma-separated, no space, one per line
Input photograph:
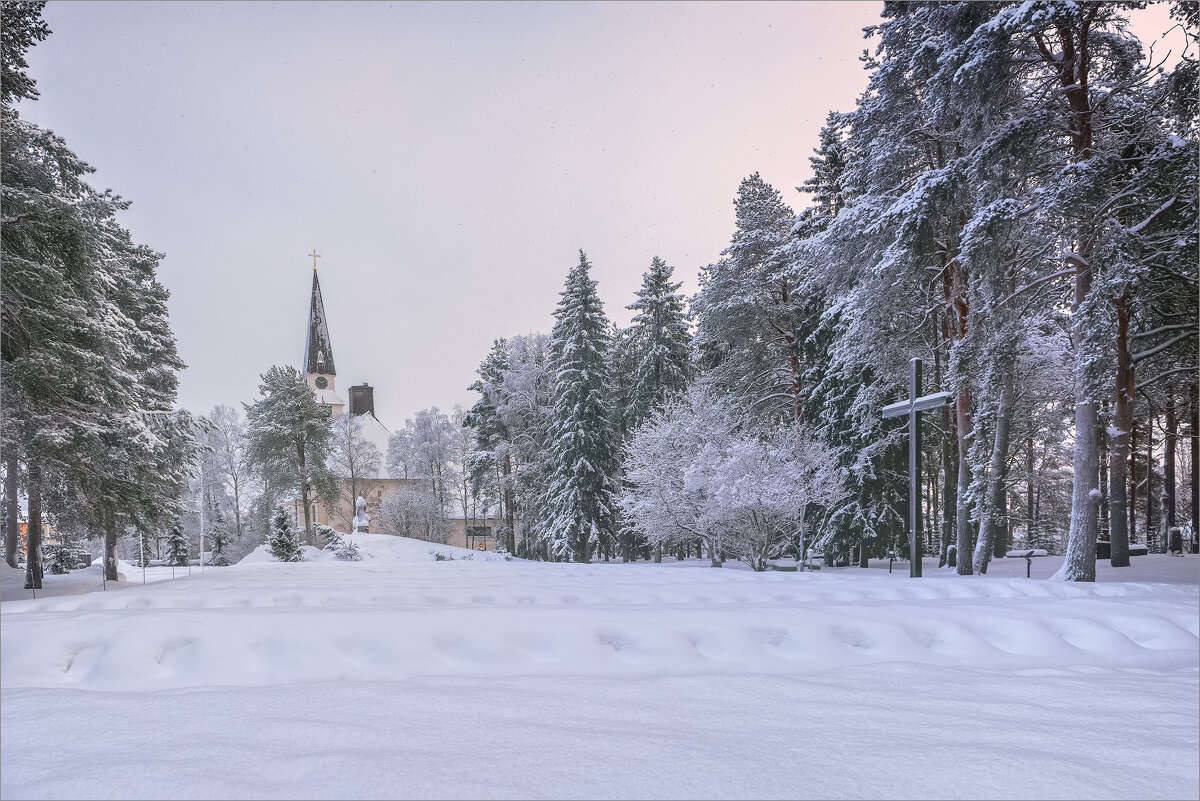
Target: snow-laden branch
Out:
[1164,374]
[1022,289]
[1146,354]
[1137,229]
[1160,329]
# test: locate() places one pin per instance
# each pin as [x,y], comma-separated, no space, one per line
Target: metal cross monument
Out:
[912,407]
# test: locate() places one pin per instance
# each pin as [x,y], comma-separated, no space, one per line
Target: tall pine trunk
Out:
[1120,442]
[1072,65]
[1195,442]
[1030,525]
[962,411]
[1079,563]
[509,513]
[11,517]
[1149,479]
[949,465]
[33,537]
[110,545]
[1133,485]
[993,528]
[1169,442]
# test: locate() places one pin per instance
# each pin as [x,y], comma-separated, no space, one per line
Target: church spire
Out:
[318,352]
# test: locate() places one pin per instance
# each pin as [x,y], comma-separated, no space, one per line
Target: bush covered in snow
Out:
[696,471]
[338,544]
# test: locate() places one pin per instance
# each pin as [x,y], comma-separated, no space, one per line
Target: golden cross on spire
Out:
[315,255]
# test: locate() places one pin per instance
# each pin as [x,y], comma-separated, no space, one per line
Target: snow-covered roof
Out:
[328,397]
[377,434]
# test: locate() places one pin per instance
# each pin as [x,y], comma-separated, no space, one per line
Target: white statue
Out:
[362,521]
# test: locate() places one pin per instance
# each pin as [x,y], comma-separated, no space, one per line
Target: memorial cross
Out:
[912,406]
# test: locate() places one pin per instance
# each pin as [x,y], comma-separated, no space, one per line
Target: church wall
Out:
[373,491]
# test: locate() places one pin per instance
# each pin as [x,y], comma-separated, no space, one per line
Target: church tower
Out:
[318,352]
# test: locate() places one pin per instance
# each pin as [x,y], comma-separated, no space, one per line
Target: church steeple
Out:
[318,352]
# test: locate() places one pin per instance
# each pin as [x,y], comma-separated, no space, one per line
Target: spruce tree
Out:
[493,440]
[220,535]
[283,542]
[584,445]
[660,340]
[177,546]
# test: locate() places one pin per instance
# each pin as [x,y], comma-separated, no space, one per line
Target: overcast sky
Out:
[446,160]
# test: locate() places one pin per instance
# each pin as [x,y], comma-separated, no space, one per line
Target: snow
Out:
[400,676]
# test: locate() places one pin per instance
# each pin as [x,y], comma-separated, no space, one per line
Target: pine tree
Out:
[660,341]
[220,536]
[87,356]
[352,459]
[283,542]
[177,546]
[493,453]
[580,494]
[747,310]
[288,437]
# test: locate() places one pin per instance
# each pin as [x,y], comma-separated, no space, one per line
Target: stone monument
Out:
[362,521]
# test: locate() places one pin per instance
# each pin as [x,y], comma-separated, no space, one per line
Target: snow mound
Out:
[387,619]
[384,548]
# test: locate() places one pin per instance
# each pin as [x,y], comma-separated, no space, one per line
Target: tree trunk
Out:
[1132,504]
[1149,480]
[12,524]
[1030,525]
[1195,478]
[949,465]
[1072,65]
[992,528]
[110,546]
[1079,563]
[1172,434]
[509,520]
[1102,483]
[962,427]
[1120,442]
[33,537]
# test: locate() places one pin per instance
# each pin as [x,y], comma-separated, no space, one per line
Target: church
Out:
[321,373]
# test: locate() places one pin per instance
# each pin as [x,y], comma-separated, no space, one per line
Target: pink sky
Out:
[448,160]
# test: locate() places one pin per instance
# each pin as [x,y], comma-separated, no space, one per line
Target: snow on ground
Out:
[401,676]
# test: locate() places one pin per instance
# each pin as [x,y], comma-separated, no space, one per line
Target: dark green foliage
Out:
[283,542]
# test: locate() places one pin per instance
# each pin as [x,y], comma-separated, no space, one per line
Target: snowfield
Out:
[401,676]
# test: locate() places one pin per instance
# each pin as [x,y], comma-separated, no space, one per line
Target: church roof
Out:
[327,397]
[318,352]
[377,434]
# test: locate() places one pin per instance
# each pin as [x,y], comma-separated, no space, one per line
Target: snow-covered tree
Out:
[177,546]
[231,460]
[414,512]
[490,462]
[87,357]
[219,536]
[747,310]
[338,544]
[584,449]
[353,459]
[660,342]
[288,435]
[283,542]
[697,471]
